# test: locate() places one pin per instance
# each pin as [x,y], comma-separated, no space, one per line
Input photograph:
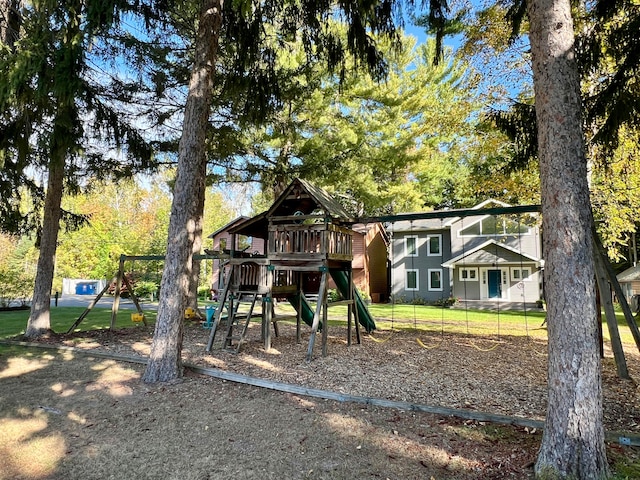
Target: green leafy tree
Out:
[124,218]
[615,181]
[9,21]
[503,58]
[492,170]
[17,269]
[390,146]
[607,55]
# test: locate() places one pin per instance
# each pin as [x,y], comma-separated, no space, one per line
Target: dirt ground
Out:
[65,415]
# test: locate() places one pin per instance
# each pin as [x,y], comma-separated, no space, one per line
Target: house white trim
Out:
[468,274]
[406,280]
[429,238]
[453,261]
[498,203]
[521,274]
[504,282]
[430,287]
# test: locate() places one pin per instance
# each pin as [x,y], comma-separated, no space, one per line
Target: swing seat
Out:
[210,311]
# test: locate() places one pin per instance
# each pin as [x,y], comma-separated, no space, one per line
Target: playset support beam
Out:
[610,315]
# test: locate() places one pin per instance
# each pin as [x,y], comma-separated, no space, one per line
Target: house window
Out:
[495,225]
[412,280]
[434,245]
[435,280]
[521,274]
[411,245]
[468,274]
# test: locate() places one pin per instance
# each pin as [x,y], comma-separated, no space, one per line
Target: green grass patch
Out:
[387,317]
[625,461]
[14,323]
[452,321]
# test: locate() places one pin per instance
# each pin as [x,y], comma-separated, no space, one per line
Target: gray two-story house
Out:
[473,258]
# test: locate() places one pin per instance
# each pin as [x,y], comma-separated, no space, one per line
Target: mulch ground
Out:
[500,375]
[226,430]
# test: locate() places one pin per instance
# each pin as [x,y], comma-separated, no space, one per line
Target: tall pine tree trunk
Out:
[573,439]
[61,143]
[165,362]
[39,321]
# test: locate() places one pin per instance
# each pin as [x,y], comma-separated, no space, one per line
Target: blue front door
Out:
[494,278]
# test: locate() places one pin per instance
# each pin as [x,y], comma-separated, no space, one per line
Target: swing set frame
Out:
[606,279]
[120,279]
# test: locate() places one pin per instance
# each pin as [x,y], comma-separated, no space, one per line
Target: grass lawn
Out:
[418,317]
[14,322]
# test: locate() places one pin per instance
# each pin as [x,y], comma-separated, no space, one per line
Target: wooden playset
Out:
[308,241]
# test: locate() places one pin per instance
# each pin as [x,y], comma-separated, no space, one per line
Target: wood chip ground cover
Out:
[107,424]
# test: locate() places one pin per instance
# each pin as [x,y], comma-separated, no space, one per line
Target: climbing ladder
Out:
[242,281]
[239,321]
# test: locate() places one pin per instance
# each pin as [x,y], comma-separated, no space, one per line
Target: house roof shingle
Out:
[631,274]
[290,202]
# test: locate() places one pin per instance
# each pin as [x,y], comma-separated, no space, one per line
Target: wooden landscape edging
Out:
[463,413]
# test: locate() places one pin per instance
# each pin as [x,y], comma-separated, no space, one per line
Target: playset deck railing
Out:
[309,242]
[249,275]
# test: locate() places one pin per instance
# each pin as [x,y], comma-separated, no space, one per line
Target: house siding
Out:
[370,261]
[358,251]
[523,248]
[528,243]
[474,266]
[423,263]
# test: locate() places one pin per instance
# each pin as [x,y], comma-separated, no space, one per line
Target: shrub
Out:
[204,292]
[446,302]
[365,296]
[397,299]
[15,286]
[145,289]
[333,295]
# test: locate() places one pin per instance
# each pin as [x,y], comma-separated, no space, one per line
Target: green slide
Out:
[307,312]
[342,283]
